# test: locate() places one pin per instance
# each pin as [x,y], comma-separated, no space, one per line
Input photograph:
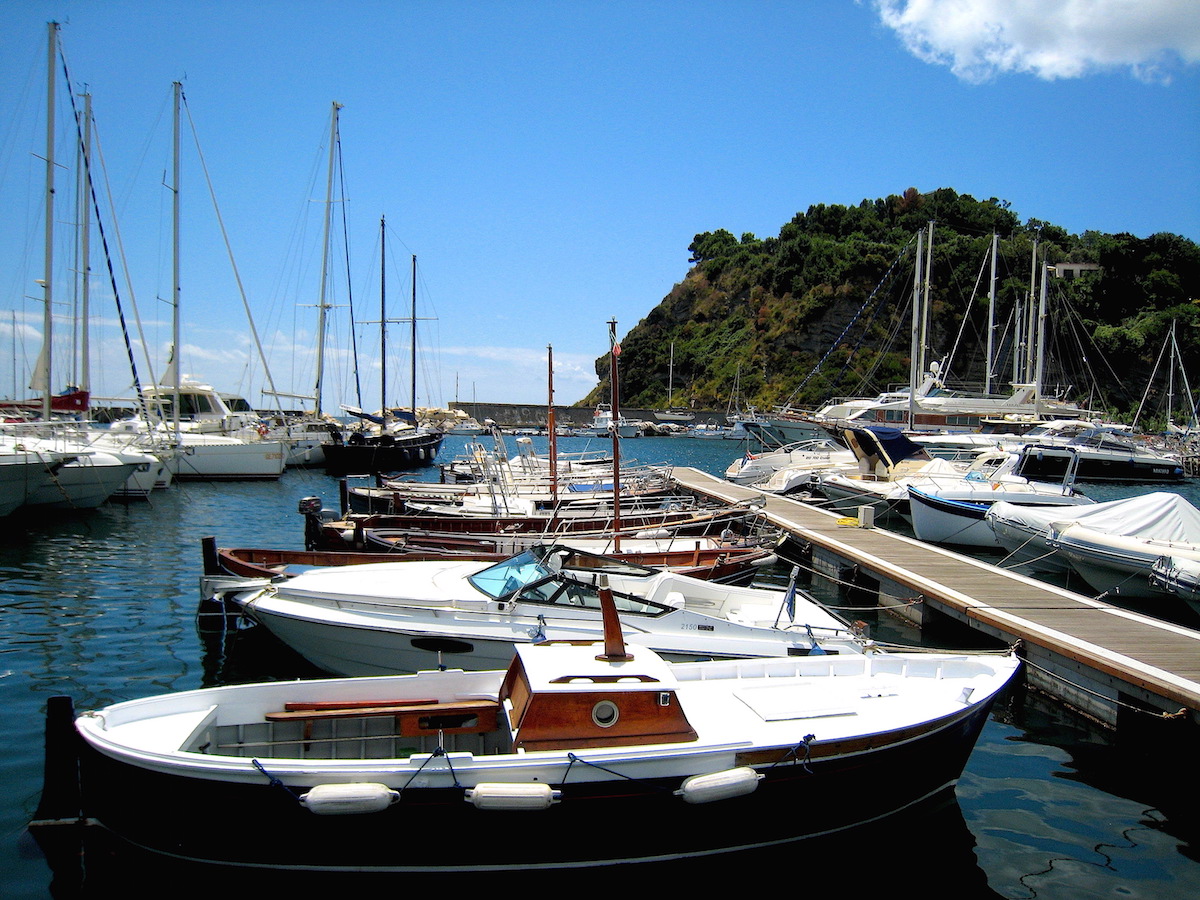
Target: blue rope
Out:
[275,782]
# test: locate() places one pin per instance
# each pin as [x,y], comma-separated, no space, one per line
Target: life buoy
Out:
[262,429]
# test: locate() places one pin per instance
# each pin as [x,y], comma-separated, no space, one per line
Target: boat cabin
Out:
[562,696]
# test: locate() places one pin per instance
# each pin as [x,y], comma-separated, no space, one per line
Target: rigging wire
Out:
[229,250]
[871,298]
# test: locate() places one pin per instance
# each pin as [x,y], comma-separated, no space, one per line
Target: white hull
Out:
[22,473]
[1116,564]
[204,458]
[389,617]
[958,517]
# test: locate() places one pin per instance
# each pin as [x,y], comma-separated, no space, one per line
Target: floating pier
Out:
[1112,664]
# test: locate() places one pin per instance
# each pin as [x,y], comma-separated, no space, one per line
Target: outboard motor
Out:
[314,516]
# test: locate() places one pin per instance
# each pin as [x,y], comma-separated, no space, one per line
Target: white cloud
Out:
[980,39]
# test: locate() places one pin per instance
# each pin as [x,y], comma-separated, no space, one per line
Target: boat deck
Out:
[1096,656]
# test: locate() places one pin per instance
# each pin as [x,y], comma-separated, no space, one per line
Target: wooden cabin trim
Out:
[554,720]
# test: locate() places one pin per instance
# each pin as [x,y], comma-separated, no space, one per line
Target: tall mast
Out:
[414,338]
[382,319]
[1041,344]
[925,312]
[914,372]
[321,304]
[614,352]
[991,316]
[671,377]
[551,427]
[47,286]
[1031,337]
[175,294]
[85,376]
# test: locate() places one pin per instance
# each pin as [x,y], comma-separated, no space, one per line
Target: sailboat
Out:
[927,404]
[671,414]
[393,440]
[84,471]
[201,449]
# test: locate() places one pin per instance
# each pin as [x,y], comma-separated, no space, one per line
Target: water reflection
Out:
[104,607]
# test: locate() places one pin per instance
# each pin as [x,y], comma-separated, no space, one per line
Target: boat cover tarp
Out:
[1158,516]
[881,442]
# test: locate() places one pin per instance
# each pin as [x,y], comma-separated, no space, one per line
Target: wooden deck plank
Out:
[1158,656]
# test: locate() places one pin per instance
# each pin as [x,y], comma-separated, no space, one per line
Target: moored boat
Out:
[1113,546]
[406,615]
[421,772]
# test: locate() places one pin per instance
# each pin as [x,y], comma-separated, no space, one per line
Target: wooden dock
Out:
[1109,662]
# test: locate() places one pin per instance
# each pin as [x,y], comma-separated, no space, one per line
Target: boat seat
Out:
[413,717]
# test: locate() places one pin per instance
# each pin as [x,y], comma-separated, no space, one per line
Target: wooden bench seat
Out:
[413,717]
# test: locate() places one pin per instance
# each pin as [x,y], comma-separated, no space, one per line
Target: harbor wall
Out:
[517,415]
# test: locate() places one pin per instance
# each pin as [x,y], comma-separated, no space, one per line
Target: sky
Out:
[547,165]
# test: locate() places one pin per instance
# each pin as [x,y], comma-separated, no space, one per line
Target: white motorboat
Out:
[958,518]
[887,461]
[603,424]
[950,510]
[576,740]
[403,616]
[80,476]
[24,472]
[757,468]
[1096,452]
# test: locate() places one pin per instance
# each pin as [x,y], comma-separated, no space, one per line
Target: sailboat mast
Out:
[321,304]
[914,373]
[382,318]
[991,317]
[413,360]
[47,286]
[925,312]
[1041,344]
[1031,337]
[671,378]
[551,427]
[175,293]
[614,352]
[1171,381]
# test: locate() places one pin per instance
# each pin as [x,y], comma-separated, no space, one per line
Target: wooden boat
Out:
[728,565]
[409,614]
[597,753]
[327,530]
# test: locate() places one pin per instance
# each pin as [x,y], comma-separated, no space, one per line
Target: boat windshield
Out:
[511,575]
[560,577]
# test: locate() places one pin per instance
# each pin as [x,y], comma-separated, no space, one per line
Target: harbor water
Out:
[103,606]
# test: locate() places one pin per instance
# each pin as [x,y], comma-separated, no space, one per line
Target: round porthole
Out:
[605,714]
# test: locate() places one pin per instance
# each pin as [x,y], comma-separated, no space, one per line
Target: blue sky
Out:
[547,163]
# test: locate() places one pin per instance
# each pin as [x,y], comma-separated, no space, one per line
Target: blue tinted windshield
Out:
[505,577]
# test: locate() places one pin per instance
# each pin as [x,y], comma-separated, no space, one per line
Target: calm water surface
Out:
[103,607]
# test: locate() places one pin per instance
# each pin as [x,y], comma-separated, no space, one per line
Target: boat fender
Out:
[348,799]
[497,795]
[652,534]
[719,785]
[769,560]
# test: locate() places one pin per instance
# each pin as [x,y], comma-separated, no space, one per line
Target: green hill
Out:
[824,309]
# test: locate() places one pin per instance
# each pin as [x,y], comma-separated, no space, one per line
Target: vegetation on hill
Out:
[824,309]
